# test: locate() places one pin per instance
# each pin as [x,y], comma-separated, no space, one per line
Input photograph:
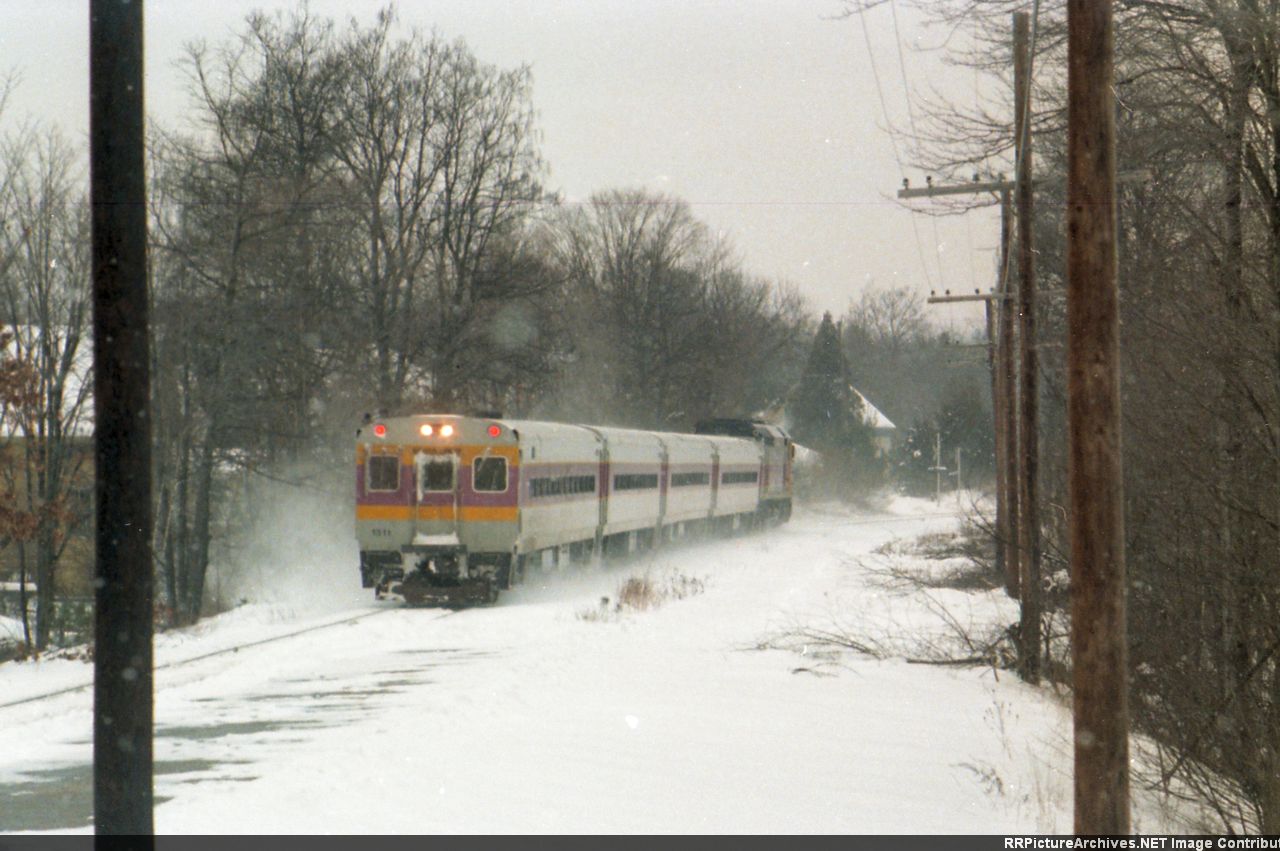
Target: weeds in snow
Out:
[641,593]
[938,609]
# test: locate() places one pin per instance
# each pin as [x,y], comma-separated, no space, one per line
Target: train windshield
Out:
[490,474]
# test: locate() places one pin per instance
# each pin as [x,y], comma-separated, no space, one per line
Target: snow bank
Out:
[527,717]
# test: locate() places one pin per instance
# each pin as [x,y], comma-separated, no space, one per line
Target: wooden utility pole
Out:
[993,365]
[122,682]
[1002,359]
[1098,648]
[1007,418]
[1028,443]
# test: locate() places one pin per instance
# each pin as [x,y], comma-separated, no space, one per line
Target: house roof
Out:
[871,415]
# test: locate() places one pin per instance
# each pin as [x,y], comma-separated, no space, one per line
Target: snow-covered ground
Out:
[554,712]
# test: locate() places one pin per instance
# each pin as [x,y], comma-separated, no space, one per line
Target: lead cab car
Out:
[437,514]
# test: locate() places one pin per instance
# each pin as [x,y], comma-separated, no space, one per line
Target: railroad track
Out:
[178,663]
[890,518]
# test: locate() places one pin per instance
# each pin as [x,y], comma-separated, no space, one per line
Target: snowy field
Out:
[556,712]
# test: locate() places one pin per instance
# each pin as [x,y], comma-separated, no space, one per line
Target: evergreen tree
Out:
[827,414]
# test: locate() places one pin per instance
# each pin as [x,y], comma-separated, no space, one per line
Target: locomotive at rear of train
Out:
[453,509]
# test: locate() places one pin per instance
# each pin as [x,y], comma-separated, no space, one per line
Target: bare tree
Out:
[44,294]
[247,272]
[634,262]
[389,140]
[488,182]
[1196,88]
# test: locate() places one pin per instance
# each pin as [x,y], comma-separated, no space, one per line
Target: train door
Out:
[436,493]
[715,479]
[602,488]
[766,455]
[664,482]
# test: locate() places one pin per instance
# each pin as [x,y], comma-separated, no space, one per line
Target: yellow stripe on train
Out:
[470,513]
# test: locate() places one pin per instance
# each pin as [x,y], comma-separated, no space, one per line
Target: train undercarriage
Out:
[436,575]
[450,576]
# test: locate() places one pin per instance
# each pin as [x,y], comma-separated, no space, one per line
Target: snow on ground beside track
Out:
[555,713]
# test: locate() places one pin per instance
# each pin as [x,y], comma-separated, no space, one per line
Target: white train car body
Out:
[691,464]
[451,507]
[560,484]
[738,476]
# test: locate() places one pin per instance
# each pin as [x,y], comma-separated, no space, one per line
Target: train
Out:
[453,509]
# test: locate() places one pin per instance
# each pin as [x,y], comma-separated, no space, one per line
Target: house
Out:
[884,432]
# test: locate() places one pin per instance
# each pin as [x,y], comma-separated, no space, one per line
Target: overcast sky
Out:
[763,114]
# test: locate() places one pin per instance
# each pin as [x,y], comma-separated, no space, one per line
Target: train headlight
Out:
[425,430]
[446,430]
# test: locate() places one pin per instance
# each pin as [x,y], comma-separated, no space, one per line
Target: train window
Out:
[681,480]
[635,481]
[740,478]
[562,485]
[436,473]
[384,473]
[489,474]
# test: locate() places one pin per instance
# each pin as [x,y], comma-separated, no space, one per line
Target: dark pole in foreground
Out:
[122,687]
[1029,393]
[1098,649]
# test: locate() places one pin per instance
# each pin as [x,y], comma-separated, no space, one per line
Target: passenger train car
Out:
[454,508]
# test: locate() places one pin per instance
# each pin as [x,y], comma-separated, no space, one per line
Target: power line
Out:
[884,109]
[911,120]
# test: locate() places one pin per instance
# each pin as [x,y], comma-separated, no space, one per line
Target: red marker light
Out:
[380,430]
[494,431]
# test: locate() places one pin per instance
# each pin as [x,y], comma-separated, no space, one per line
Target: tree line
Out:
[355,222]
[1198,108]
[352,219]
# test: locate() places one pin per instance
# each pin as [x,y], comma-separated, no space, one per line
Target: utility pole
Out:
[937,467]
[1028,438]
[993,366]
[1002,360]
[1006,417]
[1095,483]
[959,474]
[122,659]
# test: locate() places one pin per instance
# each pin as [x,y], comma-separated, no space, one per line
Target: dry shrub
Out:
[640,593]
